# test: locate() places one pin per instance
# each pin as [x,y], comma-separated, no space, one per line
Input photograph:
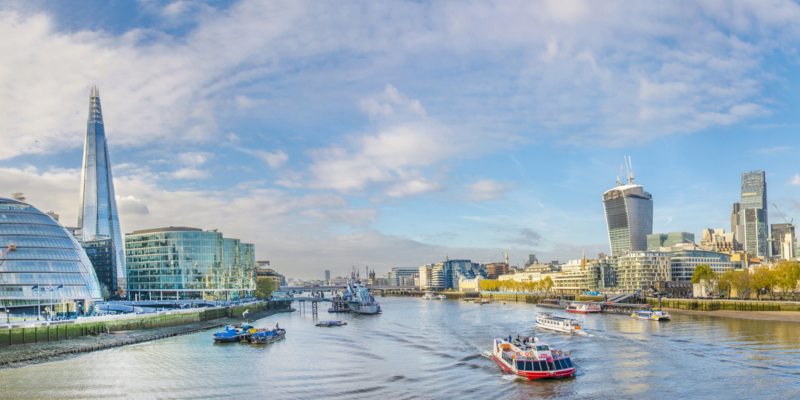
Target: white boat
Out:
[430,296]
[441,297]
[531,358]
[588,307]
[558,324]
[652,315]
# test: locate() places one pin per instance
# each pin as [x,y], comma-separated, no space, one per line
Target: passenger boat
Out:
[263,336]
[531,358]
[588,307]
[233,333]
[486,301]
[430,296]
[558,324]
[552,303]
[652,315]
[331,323]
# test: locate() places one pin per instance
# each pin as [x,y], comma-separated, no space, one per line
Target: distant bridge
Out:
[338,287]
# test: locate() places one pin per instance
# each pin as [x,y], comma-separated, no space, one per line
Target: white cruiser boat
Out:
[558,324]
[652,315]
[588,307]
[431,296]
[531,358]
[360,300]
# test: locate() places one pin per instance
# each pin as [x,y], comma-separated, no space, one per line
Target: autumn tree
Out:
[787,273]
[703,274]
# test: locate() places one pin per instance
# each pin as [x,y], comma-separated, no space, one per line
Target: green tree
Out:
[547,284]
[787,273]
[265,287]
[725,282]
[741,283]
[763,279]
[703,274]
[104,291]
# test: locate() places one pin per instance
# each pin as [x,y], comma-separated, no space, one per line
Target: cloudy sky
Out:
[396,133]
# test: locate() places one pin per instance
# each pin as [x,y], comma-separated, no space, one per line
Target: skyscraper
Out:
[753,214]
[629,217]
[97,216]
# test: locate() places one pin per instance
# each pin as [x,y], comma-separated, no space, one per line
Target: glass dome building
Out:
[42,263]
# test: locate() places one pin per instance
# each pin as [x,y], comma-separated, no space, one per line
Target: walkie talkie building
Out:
[97,217]
[629,216]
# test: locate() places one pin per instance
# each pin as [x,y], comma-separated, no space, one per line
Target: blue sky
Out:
[393,134]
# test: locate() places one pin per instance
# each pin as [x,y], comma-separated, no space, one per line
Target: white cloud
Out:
[190,173]
[244,102]
[795,181]
[273,159]
[194,159]
[486,189]
[130,205]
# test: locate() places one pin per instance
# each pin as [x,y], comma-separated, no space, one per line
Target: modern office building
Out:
[783,244]
[327,277]
[101,255]
[180,263]
[402,276]
[639,270]
[658,240]
[629,218]
[751,220]
[42,262]
[683,263]
[495,270]
[97,216]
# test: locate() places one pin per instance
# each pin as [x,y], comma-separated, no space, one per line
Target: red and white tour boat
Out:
[531,358]
[588,307]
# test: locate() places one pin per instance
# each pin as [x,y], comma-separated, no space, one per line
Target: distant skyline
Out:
[394,134]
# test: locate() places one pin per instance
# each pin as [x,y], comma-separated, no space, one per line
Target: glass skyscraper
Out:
[629,217]
[97,216]
[180,263]
[753,231]
[41,261]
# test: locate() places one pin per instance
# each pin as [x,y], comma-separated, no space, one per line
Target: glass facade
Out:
[39,251]
[682,263]
[178,263]
[640,270]
[97,216]
[101,254]
[629,218]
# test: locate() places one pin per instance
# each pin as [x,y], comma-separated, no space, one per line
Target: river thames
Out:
[437,349]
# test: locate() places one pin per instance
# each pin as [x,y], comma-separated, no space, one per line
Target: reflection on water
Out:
[437,349]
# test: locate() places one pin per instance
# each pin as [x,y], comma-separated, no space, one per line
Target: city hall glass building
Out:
[38,251]
[179,263]
[629,217]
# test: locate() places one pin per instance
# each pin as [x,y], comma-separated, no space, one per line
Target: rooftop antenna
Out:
[630,168]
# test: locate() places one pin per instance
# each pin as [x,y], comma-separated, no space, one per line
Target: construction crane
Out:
[789,223]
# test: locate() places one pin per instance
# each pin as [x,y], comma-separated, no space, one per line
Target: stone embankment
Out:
[36,344]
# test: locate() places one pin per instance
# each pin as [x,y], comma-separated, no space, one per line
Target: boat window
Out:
[551,366]
[568,362]
[536,366]
[557,364]
[528,366]
[544,365]
[520,365]
[542,348]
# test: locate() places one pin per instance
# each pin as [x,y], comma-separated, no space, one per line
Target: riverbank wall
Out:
[724,305]
[30,332]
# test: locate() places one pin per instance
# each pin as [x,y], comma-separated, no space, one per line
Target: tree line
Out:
[784,275]
[494,285]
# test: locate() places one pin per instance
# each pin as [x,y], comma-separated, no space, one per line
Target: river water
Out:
[437,349]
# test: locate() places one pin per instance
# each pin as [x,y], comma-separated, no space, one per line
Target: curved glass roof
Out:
[39,251]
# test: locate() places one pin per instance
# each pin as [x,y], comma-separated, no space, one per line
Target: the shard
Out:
[97,218]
